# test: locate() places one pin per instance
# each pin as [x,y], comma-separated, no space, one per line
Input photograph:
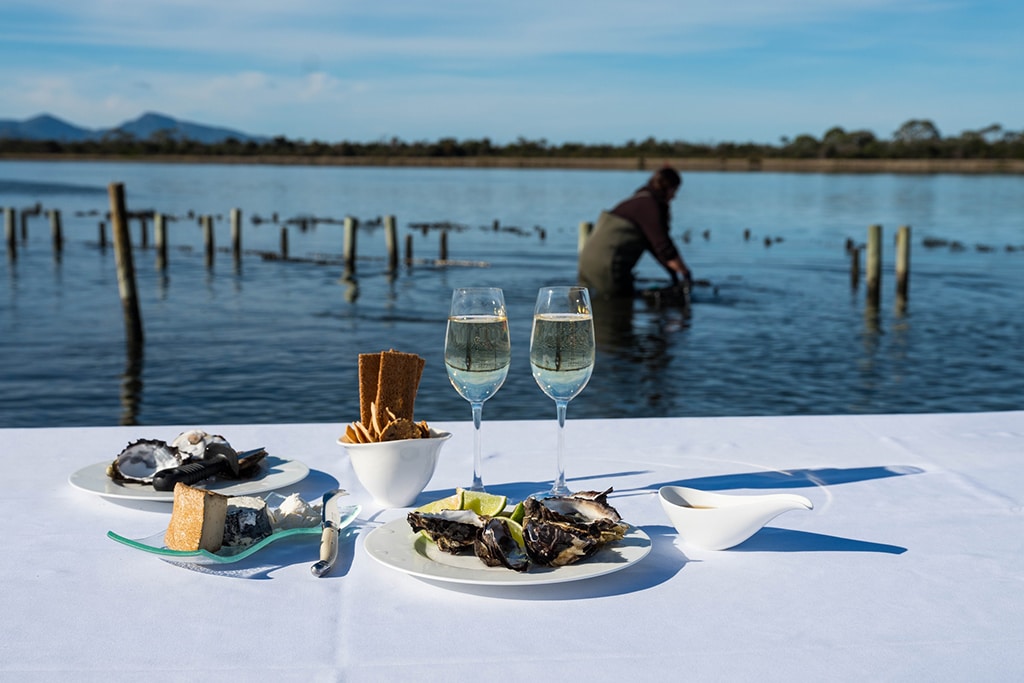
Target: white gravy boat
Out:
[717,521]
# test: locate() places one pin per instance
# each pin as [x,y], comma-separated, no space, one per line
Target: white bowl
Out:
[395,472]
[717,521]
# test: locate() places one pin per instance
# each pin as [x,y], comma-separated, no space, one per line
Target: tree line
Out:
[915,139]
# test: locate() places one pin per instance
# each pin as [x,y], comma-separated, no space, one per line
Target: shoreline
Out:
[727,165]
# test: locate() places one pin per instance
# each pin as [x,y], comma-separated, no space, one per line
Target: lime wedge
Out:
[481,503]
[452,502]
[515,530]
[516,513]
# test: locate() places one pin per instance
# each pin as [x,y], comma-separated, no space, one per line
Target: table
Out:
[909,567]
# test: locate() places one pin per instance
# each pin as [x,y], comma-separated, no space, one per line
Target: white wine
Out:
[562,353]
[477,353]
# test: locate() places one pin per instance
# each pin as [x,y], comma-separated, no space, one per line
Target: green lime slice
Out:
[452,502]
[486,504]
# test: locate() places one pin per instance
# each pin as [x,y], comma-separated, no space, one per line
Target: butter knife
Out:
[334,520]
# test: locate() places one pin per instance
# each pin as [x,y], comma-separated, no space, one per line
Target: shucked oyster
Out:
[142,459]
[556,531]
[497,547]
[563,530]
[194,443]
[452,530]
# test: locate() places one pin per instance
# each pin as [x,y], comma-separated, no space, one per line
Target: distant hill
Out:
[46,127]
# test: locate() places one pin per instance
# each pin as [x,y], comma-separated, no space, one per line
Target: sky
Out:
[594,71]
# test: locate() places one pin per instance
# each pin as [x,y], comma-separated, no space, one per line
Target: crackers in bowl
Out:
[388,382]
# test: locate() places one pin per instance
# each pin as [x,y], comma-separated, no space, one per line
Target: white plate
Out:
[274,474]
[396,545]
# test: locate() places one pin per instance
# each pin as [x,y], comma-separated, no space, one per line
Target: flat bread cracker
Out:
[399,429]
[369,378]
[399,381]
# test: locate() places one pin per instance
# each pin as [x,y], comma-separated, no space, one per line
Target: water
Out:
[779,331]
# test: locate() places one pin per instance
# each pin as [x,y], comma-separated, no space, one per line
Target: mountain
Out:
[43,127]
[47,127]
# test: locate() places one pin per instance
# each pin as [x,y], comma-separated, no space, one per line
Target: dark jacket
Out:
[621,236]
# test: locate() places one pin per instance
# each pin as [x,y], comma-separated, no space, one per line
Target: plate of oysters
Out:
[554,540]
[137,471]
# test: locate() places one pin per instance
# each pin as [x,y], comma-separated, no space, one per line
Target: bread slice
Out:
[197,519]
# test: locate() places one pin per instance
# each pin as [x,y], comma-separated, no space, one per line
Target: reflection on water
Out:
[351,284]
[131,384]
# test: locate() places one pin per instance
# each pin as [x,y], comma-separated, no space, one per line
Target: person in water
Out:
[622,235]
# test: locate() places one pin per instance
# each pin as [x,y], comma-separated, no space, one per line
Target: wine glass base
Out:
[554,492]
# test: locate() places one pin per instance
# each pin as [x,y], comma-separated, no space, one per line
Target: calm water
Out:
[779,331]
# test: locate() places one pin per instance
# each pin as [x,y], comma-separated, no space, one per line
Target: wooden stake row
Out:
[206,223]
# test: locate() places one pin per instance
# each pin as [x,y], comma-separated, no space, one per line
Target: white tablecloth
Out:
[910,566]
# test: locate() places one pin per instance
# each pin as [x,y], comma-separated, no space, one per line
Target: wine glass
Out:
[477,353]
[562,355]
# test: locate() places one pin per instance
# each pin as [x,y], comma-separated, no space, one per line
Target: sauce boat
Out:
[717,521]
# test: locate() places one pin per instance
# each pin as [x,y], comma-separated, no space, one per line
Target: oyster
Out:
[453,530]
[142,459]
[194,443]
[565,529]
[497,547]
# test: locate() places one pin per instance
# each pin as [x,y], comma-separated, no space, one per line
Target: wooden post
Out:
[408,249]
[874,264]
[56,232]
[125,267]
[207,221]
[143,233]
[902,261]
[236,233]
[391,241]
[103,235]
[443,256]
[160,229]
[24,225]
[586,228]
[284,243]
[349,253]
[12,242]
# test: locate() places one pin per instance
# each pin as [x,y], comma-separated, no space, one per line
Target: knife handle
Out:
[187,474]
[328,552]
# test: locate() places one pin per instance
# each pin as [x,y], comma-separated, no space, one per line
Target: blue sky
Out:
[562,70]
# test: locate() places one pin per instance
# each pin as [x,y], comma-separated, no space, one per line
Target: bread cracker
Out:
[369,378]
[400,429]
[399,381]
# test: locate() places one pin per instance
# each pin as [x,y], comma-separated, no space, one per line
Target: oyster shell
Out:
[453,530]
[142,459]
[496,546]
[566,529]
[193,444]
[556,531]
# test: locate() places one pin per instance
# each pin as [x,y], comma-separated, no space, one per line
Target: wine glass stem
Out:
[478,481]
[560,488]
